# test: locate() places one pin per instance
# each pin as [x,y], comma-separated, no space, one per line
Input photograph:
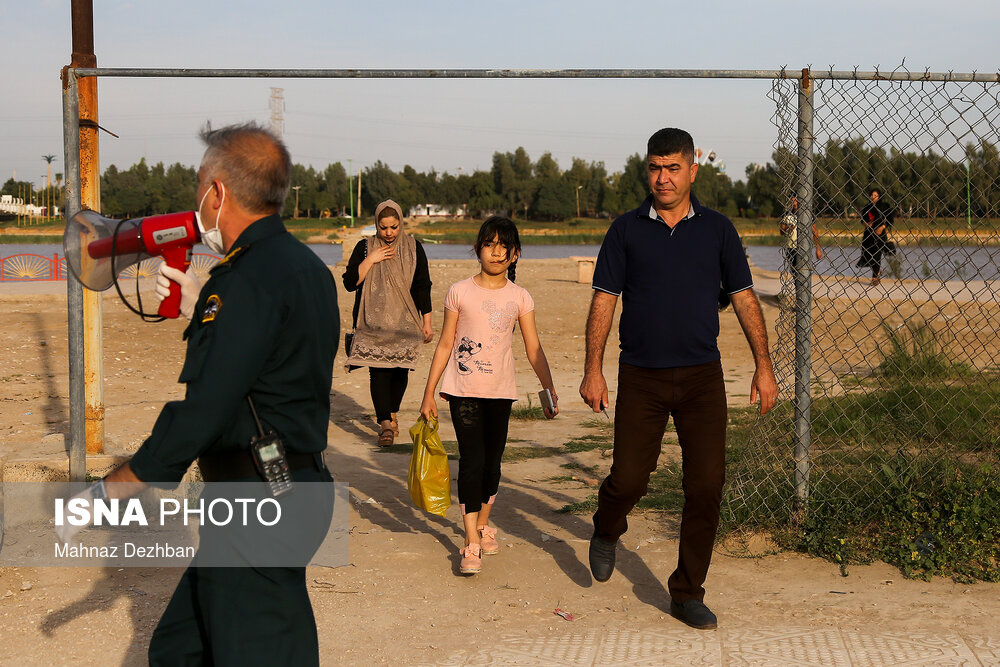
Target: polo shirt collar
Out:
[695,209]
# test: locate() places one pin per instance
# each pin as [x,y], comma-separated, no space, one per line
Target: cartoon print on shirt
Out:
[466,348]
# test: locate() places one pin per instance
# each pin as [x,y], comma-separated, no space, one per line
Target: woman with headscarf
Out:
[877,218]
[392,312]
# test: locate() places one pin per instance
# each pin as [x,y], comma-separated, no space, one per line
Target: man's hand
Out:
[594,391]
[819,254]
[752,320]
[764,385]
[594,388]
[190,287]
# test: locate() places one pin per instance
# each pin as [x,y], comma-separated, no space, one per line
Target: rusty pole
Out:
[74,289]
[90,197]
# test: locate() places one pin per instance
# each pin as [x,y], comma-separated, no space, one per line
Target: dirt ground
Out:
[401,599]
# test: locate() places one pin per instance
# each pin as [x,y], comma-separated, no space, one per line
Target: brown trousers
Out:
[696,398]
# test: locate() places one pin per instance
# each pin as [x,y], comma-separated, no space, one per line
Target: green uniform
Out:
[266,325]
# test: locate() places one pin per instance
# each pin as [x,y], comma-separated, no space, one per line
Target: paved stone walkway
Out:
[774,648]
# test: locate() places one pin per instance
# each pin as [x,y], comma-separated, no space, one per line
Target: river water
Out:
[915,262]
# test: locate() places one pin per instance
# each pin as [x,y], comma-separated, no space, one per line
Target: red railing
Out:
[28,266]
[25,267]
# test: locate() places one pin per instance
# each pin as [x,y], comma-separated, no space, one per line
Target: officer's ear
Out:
[217,194]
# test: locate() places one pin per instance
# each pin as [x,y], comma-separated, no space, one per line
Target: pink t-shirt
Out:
[481,363]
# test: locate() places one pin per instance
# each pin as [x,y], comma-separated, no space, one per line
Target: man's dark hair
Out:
[252,162]
[671,140]
[505,232]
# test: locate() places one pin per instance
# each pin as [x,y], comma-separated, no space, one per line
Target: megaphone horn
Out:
[98,248]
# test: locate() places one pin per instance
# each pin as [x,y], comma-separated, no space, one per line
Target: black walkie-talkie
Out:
[269,457]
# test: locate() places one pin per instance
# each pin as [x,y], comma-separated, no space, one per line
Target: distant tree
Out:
[481,197]
[713,188]
[336,184]
[513,180]
[633,184]
[764,190]
[378,184]
[15,188]
[179,185]
[555,200]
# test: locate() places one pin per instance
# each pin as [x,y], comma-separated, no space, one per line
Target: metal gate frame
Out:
[85,333]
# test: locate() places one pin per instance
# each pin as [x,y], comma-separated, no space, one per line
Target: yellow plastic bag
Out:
[430,478]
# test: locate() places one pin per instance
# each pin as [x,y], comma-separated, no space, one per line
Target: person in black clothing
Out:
[392,312]
[877,218]
[264,326]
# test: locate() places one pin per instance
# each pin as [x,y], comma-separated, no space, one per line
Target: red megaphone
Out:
[98,248]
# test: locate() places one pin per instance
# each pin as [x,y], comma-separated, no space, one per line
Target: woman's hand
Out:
[555,406]
[428,408]
[382,253]
[428,332]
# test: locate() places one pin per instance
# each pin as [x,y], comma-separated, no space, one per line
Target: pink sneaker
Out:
[488,541]
[472,560]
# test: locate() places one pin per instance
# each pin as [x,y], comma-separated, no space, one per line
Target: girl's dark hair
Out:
[505,232]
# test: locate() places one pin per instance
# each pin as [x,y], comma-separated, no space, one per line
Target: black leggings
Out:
[481,428]
[388,386]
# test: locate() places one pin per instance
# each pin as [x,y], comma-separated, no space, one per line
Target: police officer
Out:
[265,325]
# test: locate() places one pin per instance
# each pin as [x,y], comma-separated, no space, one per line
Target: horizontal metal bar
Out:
[783,73]
[437,73]
[961,77]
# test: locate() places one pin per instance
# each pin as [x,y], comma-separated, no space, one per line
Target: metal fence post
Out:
[74,290]
[90,197]
[803,289]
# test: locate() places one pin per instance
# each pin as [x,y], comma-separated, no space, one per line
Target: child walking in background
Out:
[475,364]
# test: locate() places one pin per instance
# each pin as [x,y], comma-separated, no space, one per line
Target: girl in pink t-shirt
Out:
[475,361]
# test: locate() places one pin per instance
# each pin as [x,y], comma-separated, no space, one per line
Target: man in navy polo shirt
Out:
[666,260]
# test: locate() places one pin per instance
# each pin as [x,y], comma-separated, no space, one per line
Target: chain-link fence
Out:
[887,344]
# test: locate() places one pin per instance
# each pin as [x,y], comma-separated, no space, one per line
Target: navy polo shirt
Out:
[668,281]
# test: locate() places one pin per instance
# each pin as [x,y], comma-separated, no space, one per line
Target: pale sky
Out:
[457,124]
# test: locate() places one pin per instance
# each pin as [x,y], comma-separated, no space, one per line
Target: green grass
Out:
[527,238]
[905,473]
[529,412]
[917,352]
[586,443]
[890,465]
[30,238]
[589,470]
[598,422]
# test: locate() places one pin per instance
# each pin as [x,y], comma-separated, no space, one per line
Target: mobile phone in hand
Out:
[545,397]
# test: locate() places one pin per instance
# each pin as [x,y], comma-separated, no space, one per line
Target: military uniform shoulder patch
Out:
[212,307]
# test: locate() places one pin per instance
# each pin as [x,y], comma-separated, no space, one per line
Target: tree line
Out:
[916,184]
[923,184]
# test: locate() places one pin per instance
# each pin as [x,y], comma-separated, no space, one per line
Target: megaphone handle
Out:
[176,258]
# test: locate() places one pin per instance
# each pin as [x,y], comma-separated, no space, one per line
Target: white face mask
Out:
[211,237]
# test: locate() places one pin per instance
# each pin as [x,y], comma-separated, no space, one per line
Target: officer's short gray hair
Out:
[252,162]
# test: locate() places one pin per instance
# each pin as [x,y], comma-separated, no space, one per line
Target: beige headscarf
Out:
[389,329]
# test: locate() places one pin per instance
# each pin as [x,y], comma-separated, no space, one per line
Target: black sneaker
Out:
[602,558]
[695,614]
